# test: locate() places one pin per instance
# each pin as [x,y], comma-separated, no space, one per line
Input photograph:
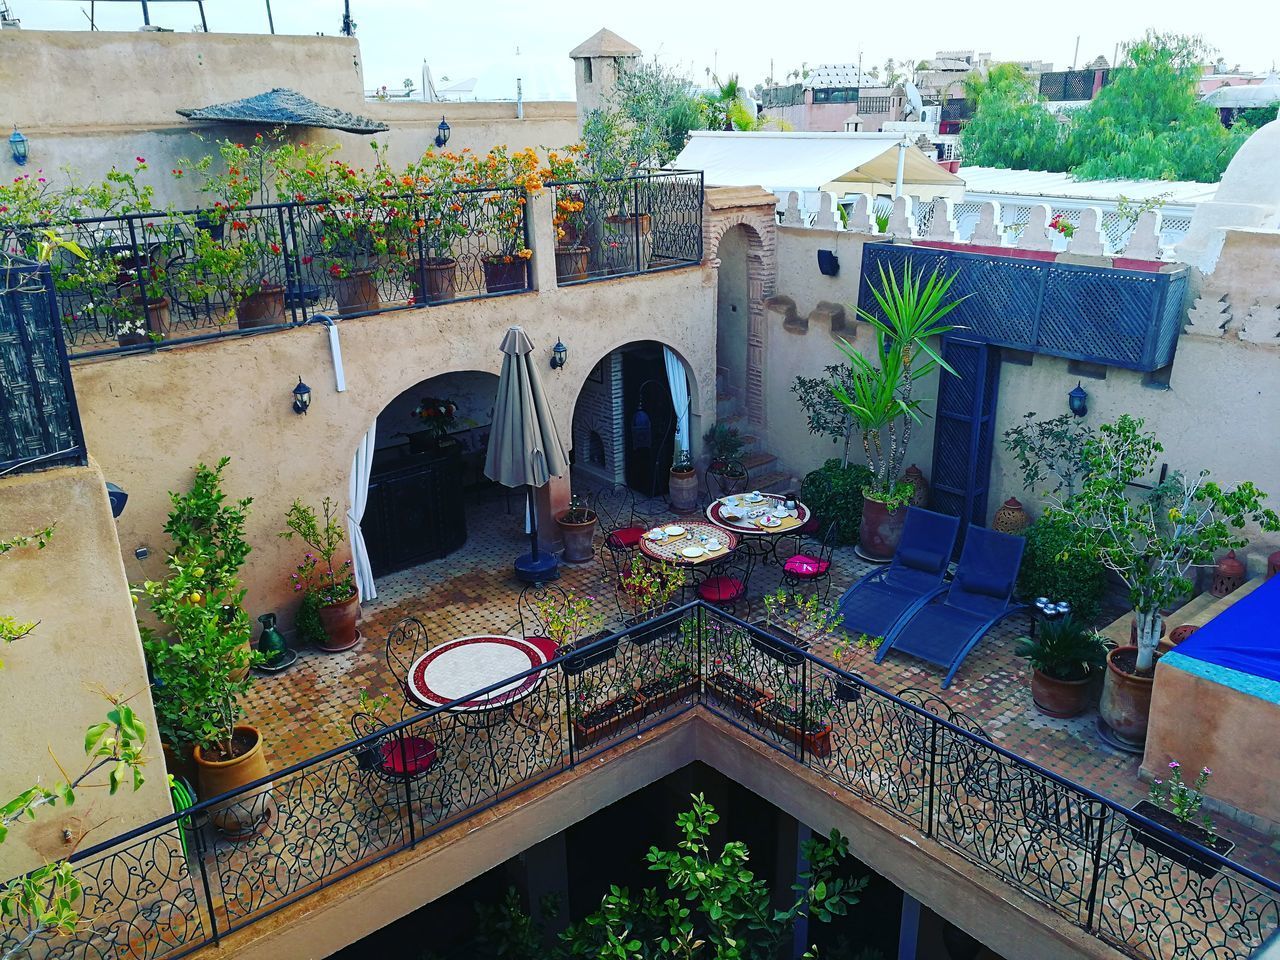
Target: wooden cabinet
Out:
[415,511]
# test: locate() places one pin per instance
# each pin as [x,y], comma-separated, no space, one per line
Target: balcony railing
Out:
[172,886]
[621,227]
[39,421]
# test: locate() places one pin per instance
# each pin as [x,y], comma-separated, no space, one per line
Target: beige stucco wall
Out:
[86,641]
[150,418]
[733,307]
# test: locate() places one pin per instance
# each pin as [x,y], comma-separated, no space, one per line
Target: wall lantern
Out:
[1078,400]
[828,263]
[442,134]
[559,354]
[18,144]
[118,499]
[301,397]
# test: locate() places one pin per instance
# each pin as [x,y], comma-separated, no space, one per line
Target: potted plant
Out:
[804,726]
[1064,655]
[594,720]
[578,527]
[334,589]
[570,217]
[682,487]
[647,591]
[725,443]
[510,177]
[443,206]
[438,415]
[880,398]
[569,618]
[1175,805]
[1151,538]
[676,673]
[798,619]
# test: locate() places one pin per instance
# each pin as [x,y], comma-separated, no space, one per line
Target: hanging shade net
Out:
[284,107]
[524,446]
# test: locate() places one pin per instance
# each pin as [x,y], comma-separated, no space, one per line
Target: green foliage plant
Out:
[1184,800]
[1049,451]
[1064,649]
[1054,566]
[807,617]
[880,395]
[1153,538]
[834,493]
[825,414]
[323,534]
[725,442]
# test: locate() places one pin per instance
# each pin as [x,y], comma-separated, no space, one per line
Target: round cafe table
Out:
[764,540]
[459,667]
[669,550]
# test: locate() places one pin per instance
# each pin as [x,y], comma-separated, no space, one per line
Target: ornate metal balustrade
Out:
[1120,318]
[152,277]
[39,421]
[172,886]
[628,225]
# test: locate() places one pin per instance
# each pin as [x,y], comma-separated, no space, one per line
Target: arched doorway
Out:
[625,419]
[427,467]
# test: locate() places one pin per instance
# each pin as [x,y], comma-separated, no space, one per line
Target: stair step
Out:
[758,460]
[775,482]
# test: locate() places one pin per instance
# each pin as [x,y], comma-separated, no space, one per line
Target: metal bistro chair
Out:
[396,758]
[406,642]
[727,584]
[810,565]
[616,508]
[724,478]
[532,626]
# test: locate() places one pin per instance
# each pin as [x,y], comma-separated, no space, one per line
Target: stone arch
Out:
[752,211]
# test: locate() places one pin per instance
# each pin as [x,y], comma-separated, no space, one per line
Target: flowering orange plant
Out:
[570,218]
[445,199]
[512,176]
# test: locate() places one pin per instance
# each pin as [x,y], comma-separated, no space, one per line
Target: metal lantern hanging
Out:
[1078,400]
[442,133]
[559,354]
[19,145]
[301,397]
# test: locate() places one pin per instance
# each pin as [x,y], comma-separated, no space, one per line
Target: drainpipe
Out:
[902,166]
[519,99]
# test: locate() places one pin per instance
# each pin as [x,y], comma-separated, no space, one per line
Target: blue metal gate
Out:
[964,430]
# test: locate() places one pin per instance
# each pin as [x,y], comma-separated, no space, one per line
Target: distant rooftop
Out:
[284,107]
[838,75]
[1038,183]
[606,43]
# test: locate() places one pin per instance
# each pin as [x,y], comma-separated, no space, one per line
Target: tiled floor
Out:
[307,709]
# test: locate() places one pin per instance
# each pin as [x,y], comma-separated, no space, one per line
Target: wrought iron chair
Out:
[406,642]
[532,625]
[616,508]
[401,757]
[810,564]
[724,478]
[727,584]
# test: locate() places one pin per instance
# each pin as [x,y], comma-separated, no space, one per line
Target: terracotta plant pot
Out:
[623,224]
[434,279]
[1181,633]
[156,320]
[1011,517]
[132,339]
[356,293]
[180,762]
[503,277]
[682,490]
[571,263]
[1060,698]
[241,817]
[1126,698]
[262,309]
[339,621]
[578,538]
[881,529]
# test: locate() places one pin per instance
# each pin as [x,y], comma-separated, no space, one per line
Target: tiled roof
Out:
[284,107]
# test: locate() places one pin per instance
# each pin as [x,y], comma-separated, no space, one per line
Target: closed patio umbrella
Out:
[524,446]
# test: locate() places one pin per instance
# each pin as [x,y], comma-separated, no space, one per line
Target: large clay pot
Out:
[339,621]
[156,314]
[579,538]
[262,309]
[241,817]
[622,233]
[571,263]
[356,293]
[881,529]
[913,476]
[1126,698]
[503,277]
[434,279]
[682,490]
[1011,517]
[180,762]
[1059,698]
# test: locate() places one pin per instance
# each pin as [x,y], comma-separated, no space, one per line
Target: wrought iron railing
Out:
[147,278]
[627,225]
[39,420]
[172,886]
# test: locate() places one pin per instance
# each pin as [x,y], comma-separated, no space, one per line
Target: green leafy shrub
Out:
[307,625]
[1054,566]
[834,493]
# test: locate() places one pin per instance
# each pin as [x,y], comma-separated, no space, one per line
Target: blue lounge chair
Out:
[878,602]
[978,597]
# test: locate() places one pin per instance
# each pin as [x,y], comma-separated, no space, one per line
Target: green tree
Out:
[646,122]
[1010,126]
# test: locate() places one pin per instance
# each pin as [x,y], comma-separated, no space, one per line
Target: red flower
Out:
[335,271]
[239,225]
[275,248]
[141,159]
[306,260]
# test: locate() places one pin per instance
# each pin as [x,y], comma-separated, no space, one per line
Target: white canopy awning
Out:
[1244,96]
[837,163]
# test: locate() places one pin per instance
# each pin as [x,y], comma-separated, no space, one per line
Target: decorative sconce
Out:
[559,354]
[1078,400]
[828,263]
[19,145]
[442,134]
[118,499]
[301,397]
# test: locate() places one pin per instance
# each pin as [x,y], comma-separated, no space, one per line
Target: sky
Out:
[459,40]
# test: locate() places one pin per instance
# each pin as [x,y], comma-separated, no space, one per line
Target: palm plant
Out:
[881,397]
[1064,650]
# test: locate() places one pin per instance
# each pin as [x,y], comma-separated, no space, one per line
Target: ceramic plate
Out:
[674,531]
[656,535]
[692,553]
[753,498]
[769,521]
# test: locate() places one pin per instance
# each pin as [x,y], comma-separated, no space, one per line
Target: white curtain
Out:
[361,466]
[679,396]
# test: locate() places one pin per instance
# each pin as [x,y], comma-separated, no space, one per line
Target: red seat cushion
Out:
[546,647]
[626,537]
[802,565]
[721,589]
[409,756]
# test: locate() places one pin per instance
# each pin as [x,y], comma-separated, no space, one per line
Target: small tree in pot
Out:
[333,588]
[1151,539]
[880,396]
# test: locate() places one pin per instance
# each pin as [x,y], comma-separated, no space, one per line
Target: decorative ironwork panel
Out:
[39,421]
[1089,314]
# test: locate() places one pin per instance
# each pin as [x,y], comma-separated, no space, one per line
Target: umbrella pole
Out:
[533,524]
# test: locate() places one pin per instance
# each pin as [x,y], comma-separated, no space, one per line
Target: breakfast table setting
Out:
[688,543]
[761,519]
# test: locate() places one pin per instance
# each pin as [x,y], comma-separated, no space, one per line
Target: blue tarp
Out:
[1244,637]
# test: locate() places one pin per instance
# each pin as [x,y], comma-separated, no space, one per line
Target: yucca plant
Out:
[1064,650]
[880,396]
